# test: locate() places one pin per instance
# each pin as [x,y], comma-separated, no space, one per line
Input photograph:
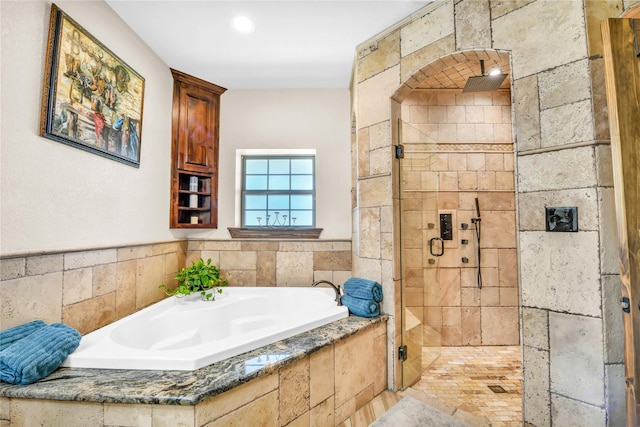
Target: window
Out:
[278,191]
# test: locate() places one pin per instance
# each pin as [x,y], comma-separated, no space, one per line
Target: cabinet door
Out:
[197,130]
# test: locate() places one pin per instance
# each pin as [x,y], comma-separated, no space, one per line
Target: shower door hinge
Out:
[402,353]
[399,151]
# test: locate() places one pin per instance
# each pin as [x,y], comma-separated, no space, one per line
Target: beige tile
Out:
[475,161]
[266,268]
[364,397]
[104,279]
[467,180]
[301,421]
[498,229]
[19,306]
[470,296]
[386,54]
[173,416]
[12,268]
[132,252]
[44,264]
[5,408]
[31,412]
[353,359]
[345,411]
[262,412]
[509,297]
[448,181]
[126,288]
[490,297]
[238,260]
[117,414]
[470,330]
[321,376]
[380,361]
[74,260]
[486,180]
[451,316]
[508,267]
[228,402]
[91,314]
[149,276]
[294,391]
[427,29]
[77,285]
[241,277]
[332,260]
[322,415]
[500,326]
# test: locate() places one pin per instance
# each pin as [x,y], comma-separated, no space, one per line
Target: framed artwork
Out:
[91,99]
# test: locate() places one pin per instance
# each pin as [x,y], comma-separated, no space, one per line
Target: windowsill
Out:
[274,232]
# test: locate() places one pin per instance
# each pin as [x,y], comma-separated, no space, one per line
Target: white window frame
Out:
[263,152]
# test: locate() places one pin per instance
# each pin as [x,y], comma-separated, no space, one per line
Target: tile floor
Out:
[462,375]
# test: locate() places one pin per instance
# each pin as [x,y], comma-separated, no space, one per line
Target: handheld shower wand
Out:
[476,221]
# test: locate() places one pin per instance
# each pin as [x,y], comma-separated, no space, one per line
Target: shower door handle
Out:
[441,246]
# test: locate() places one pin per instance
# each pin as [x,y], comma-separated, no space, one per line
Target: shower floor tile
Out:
[462,375]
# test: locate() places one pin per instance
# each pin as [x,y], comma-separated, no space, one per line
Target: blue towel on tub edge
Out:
[11,335]
[38,354]
[361,307]
[363,288]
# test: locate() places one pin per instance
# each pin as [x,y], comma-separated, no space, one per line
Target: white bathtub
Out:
[187,334]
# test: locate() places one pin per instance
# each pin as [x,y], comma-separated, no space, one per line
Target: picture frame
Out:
[91,99]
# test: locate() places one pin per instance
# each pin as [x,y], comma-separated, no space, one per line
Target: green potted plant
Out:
[202,277]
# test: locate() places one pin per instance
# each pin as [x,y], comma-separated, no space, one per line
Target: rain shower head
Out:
[484,83]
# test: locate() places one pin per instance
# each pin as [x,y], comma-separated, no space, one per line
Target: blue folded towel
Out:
[361,307]
[11,335]
[38,354]
[363,288]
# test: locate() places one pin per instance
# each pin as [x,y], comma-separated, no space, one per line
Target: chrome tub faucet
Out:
[338,289]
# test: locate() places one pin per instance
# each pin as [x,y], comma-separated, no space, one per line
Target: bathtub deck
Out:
[183,387]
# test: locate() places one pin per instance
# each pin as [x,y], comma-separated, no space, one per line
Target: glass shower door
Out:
[421,246]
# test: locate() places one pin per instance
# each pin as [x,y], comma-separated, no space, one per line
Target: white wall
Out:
[57,197]
[289,119]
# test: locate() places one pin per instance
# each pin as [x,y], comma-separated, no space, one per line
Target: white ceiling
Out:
[296,44]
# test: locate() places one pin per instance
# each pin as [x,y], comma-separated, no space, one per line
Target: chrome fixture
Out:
[338,289]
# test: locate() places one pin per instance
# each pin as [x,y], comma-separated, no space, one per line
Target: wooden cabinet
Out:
[194,152]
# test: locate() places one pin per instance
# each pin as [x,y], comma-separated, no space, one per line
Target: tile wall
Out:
[86,289]
[460,148]
[92,288]
[568,281]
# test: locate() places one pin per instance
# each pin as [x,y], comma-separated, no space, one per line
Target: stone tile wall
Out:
[86,289]
[563,158]
[276,263]
[92,288]
[320,390]
[461,148]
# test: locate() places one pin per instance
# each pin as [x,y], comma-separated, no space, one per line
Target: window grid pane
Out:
[286,184]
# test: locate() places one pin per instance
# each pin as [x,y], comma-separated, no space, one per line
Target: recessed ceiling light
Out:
[495,71]
[243,24]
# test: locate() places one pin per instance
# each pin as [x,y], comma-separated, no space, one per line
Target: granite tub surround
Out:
[320,377]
